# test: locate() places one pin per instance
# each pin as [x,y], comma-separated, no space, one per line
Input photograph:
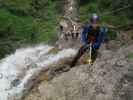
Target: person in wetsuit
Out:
[92,34]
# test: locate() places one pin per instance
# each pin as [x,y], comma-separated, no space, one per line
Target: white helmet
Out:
[94,17]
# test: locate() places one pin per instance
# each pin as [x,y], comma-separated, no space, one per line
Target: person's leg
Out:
[78,55]
[94,54]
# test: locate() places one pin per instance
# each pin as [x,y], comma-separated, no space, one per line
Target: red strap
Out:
[91,39]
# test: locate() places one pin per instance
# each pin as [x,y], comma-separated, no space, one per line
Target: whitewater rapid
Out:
[17,70]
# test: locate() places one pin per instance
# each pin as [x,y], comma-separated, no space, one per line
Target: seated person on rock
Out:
[92,35]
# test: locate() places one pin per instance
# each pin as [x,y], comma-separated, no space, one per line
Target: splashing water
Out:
[18,69]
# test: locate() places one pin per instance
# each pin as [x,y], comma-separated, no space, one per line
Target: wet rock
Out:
[15,82]
[110,78]
[1,75]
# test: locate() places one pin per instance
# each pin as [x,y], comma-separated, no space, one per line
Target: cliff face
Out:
[110,78]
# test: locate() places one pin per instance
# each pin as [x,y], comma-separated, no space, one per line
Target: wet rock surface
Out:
[110,78]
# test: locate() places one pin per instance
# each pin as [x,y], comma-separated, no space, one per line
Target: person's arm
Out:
[101,38]
[84,36]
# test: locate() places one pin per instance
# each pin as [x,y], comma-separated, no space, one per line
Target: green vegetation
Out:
[25,22]
[23,26]
[130,56]
[26,29]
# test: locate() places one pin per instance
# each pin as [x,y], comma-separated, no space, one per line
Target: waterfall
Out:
[18,69]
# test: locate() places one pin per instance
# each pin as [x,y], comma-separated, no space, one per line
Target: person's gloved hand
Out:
[95,45]
[87,45]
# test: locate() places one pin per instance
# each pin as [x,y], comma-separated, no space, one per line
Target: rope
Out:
[117,10]
[90,55]
[128,23]
[120,26]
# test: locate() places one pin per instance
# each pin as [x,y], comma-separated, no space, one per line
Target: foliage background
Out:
[25,22]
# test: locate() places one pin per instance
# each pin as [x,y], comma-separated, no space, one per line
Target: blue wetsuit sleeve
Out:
[100,38]
[84,36]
